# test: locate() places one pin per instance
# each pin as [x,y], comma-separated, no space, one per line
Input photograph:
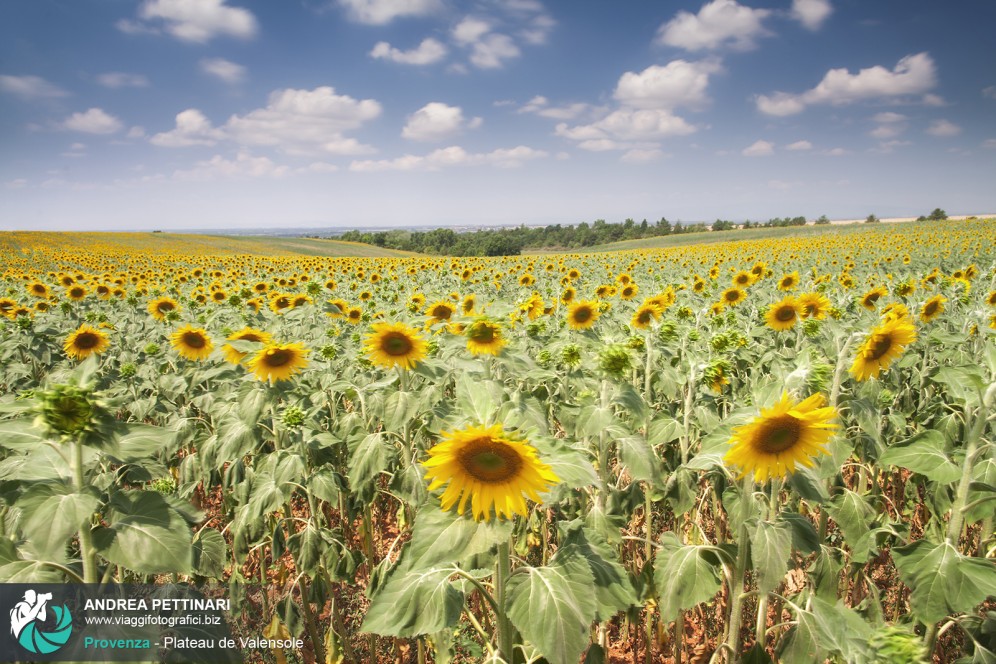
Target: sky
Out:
[194,114]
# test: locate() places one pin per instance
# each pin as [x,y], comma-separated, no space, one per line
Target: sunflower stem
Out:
[762,601]
[736,593]
[503,570]
[87,553]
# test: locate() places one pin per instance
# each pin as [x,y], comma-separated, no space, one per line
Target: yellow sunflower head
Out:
[789,281]
[439,312]
[783,436]
[161,306]
[932,308]
[871,298]
[395,345]
[486,467]
[86,341]
[191,342]
[484,337]
[582,315]
[783,315]
[245,334]
[646,315]
[884,344]
[732,297]
[276,362]
[814,305]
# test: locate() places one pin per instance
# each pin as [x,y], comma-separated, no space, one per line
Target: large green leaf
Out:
[944,582]
[53,513]
[614,591]
[20,434]
[854,516]
[770,548]
[842,630]
[638,458]
[414,602]
[570,464]
[445,537]
[553,606]
[802,643]
[399,409]
[371,457]
[210,553]
[924,454]
[145,535]
[684,575]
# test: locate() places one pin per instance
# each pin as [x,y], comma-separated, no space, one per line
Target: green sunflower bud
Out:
[293,416]
[66,411]
[895,645]
[328,352]
[615,360]
[571,355]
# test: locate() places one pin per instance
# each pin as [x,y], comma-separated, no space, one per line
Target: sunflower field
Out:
[776,450]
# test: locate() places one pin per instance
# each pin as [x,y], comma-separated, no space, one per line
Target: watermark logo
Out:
[31,627]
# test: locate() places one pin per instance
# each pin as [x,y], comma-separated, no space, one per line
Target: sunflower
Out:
[76,293]
[582,315]
[192,343]
[533,307]
[85,341]
[814,305]
[932,308]
[646,315]
[38,289]
[276,362]
[245,334]
[789,281]
[743,279]
[568,295]
[783,315]
[468,304]
[629,291]
[484,466]
[871,298]
[732,297]
[161,306]
[895,310]
[484,337]
[786,434]
[354,315]
[884,344]
[394,344]
[439,312]
[991,299]
[279,302]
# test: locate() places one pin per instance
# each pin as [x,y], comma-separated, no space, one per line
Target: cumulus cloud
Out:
[226,70]
[196,21]
[492,51]
[799,145]
[428,52]
[30,87]
[885,131]
[719,23]
[93,121]
[759,148]
[244,166]
[382,12]
[642,155]
[540,105]
[436,122]
[678,83]
[470,30]
[192,128]
[452,156]
[943,128]
[912,75]
[117,79]
[888,117]
[294,121]
[811,13]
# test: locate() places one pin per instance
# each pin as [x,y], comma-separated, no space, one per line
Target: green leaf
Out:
[924,454]
[770,548]
[478,399]
[944,582]
[842,630]
[399,409]
[983,488]
[210,553]
[135,442]
[632,401]
[371,457]
[613,590]
[553,606]
[54,513]
[683,576]
[593,420]
[29,571]
[570,464]
[854,516]
[663,429]
[804,536]
[20,434]
[145,535]
[440,537]
[414,602]
[801,643]
[324,486]
[963,383]
[638,458]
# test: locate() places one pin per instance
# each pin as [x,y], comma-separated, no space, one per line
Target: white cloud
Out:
[382,12]
[305,121]
[470,30]
[242,167]
[625,125]
[943,128]
[719,23]
[889,117]
[92,121]
[428,52]
[117,79]
[759,148]
[540,105]
[136,132]
[836,152]
[196,21]
[888,147]
[451,156]
[642,155]
[811,13]
[436,122]
[933,100]
[989,92]
[799,145]
[30,87]
[678,83]
[192,128]
[887,131]
[226,70]
[989,143]
[914,74]
[492,50]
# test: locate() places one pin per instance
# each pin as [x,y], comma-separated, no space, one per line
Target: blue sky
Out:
[185,114]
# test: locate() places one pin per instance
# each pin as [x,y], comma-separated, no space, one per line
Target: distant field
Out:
[180,243]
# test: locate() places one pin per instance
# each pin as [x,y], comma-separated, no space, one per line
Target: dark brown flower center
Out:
[86,340]
[779,434]
[482,333]
[396,343]
[879,346]
[194,340]
[489,461]
[277,357]
[785,314]
[582,315]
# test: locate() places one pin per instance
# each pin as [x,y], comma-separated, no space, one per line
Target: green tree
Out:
[872,219]
[938,215]
[822,220]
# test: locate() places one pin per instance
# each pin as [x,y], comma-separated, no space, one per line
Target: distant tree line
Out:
[512,241]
